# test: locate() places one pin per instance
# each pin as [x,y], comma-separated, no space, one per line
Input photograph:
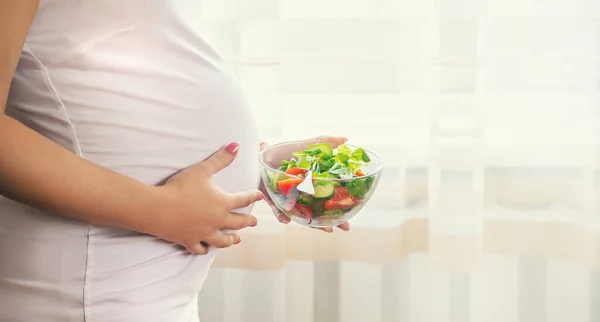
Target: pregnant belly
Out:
[143,271]
[124,275]
[148,138]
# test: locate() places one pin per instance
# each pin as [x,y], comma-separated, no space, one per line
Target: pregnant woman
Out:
[114,199]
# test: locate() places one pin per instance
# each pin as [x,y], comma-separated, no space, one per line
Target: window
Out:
[485,114]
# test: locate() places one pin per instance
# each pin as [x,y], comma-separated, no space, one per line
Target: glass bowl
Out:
[333,201]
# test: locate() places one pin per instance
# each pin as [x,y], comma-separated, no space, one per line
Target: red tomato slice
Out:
[286,186]
[304,212]
[295,171]
[341,200]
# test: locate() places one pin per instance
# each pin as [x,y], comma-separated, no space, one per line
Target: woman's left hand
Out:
[334,141]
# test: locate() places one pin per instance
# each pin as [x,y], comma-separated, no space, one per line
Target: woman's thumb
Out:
[220,159]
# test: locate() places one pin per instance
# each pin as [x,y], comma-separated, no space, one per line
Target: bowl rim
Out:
[353,147]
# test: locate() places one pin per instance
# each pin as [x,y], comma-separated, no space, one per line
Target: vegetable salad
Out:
[337,175]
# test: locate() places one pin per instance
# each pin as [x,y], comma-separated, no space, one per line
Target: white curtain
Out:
[485,113]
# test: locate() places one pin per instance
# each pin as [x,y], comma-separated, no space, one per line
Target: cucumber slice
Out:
[326,175]
[324,190]
[305,199]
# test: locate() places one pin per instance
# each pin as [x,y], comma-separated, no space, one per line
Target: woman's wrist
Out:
[153,216]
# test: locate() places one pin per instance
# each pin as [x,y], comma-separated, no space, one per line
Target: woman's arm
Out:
[37,172]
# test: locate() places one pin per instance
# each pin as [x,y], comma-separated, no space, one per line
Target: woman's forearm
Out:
[37,172]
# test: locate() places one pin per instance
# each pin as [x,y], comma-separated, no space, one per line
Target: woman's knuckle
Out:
[220,158]
[201,251]
[225,203]
[196,249]
[240,224]
[218,243]
[222,244]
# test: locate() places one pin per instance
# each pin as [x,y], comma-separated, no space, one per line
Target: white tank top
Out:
[134,86]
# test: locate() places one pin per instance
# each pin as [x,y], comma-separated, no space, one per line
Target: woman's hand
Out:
[334,141]
[197,210]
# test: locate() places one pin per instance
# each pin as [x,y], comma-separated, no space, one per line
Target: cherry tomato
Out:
[286,186]
[295,171]
[341,200]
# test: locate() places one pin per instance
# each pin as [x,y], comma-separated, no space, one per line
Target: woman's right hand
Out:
[198,211]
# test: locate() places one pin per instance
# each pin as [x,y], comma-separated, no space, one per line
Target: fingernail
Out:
[232,148]
[239,240]
[254,224]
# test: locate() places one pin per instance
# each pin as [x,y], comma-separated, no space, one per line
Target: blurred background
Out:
[485,113]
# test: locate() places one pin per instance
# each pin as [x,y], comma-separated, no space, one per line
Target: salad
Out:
[337,176]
